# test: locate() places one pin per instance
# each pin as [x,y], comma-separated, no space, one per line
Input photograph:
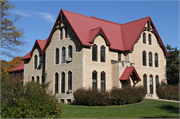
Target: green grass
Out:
[144,109]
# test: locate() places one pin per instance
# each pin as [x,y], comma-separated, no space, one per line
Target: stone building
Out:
[83,51]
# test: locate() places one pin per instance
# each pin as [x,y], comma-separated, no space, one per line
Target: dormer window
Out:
[94,52]
[144,38]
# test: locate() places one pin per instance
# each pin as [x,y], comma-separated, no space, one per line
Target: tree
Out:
[11,36]
[6,66]
[172,65]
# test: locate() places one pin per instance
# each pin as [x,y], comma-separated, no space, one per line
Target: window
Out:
[70,80]
[144,58]
[63,55]
[150,59]
[145,80]
[66,32]
[102,54]
[151,84]
[157,81]
[144,38]
[56,82]
[57,56]
[70,51]
[119,56]
[14,75]
[41,59]
[61,33]
[35,62]
[103,76]
[94,52]
[94,80]
[37,79]
[21,77]
[156,59]
[63,83]
[32,78]
[149,39]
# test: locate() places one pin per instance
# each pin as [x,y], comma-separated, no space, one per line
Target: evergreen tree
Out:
[172,65]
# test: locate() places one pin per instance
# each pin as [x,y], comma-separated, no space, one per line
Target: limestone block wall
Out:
[136,57]
[76,66]
[29,70]
[89,66]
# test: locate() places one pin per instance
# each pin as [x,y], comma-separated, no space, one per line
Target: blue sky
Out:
[38,17]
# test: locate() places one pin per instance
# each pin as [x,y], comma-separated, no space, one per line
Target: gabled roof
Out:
[127,73]
[120,37]
[40,43]
[18,68]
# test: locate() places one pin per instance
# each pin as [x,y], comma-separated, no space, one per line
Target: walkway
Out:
[163,100]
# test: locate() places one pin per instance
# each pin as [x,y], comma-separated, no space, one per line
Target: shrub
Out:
[91,97]
[127,95]
[116,96]
[29,101]
[168,92]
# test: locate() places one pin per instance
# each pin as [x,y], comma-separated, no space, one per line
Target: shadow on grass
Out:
[169,109]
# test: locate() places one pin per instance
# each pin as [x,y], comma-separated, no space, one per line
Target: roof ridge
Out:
[136,20]
[105,20]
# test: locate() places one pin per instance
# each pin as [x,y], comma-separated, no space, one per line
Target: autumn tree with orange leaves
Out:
[6,66]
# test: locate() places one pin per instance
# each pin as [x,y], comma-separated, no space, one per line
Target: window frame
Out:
[94,77]
[156,59]
[63,55]
[150,59]
[144,38]
[63,82]
[149,39]
[56,83]
[69,80]
[103,51]
[57,56]
[144,62]
[94,52]
[103,77]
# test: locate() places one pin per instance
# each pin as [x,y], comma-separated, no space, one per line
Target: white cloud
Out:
[22,14]
[47,16]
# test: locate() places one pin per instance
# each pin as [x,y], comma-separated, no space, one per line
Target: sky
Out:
[38,17]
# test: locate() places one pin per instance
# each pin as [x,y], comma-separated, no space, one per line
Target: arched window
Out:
[144,58]
[35,62]
[156,59]
[94,80]
[57,56]
[149,39]
[151,84]
[32,78]
[61,33]
[144,38]
[66,32]
[150,59]
[37,79]
[103,54]
[70,80]
[145,80]
[157,81]
[63,83]
[70,51]
[94,52]
[103,80]
[56,82]
[63,55]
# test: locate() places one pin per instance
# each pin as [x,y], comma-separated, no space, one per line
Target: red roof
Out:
[120,37]
[18,68]
[127,73]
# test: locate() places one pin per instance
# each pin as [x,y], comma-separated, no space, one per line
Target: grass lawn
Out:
[144,109]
